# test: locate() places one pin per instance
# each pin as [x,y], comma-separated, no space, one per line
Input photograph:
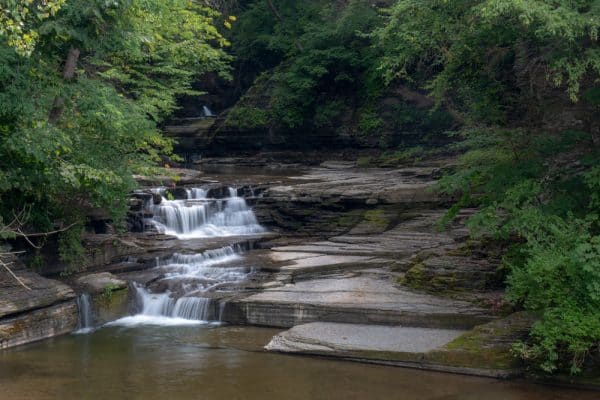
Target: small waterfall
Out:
[163,305]
[190,278]
[199,216]
[86,319]
[207,112]
[192,308]
[222,306]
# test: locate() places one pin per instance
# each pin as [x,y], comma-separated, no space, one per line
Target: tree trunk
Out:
[68,74]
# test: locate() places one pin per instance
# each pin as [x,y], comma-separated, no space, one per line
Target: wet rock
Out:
[45,309]
[100,282]
[176,193]
[346,340]
[356,299]
[451,273]
[38,324]
[110,304]
[135,204]
[484,351]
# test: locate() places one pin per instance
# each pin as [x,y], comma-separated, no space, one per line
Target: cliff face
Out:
[401,117]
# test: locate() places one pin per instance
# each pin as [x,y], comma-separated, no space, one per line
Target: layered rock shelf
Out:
[41,309]
[353,261]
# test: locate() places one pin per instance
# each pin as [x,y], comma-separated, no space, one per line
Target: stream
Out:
[175,345]
[204,362]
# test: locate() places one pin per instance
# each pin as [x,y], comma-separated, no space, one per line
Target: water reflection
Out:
[224,363]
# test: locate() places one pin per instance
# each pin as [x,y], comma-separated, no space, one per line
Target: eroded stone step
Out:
[354,299]
[340,339]
[423,348]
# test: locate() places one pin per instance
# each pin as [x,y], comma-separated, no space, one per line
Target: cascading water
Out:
[86,319]
[189,282]
[190,279]
[207,112]
[199,216]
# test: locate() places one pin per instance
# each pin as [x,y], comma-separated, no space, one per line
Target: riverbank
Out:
[354,263]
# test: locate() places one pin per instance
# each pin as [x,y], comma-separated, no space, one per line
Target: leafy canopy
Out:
[135,57]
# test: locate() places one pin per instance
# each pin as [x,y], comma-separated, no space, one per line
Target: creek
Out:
[174,344]
[224,362]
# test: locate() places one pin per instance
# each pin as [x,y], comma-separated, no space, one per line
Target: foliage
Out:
[321,59]
[248,117]
[135,57]
[497,65]
[481,56]
[18,19]
[548,210]
[369,122]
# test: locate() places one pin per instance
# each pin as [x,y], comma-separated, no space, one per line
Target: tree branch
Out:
[6,266]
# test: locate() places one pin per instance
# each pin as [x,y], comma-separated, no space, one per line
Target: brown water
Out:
[224,363]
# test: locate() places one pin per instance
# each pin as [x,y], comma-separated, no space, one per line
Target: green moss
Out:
[108,291]
[488,345]
[377,217]
[349,219]
[414,276]
[444,283]
[111,303]
[364,161]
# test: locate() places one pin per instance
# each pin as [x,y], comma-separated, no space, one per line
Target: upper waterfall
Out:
[199,216]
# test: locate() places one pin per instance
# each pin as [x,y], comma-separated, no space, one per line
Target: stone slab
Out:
[338,338]
[15,299]
[323,263]
[390,345]
[58,319]
[358,300]
[97,283]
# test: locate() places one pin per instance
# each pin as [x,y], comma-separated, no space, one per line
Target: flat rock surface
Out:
[341,182]
[364,292]
[417,233]
[320,262]
[358,299]
[94,283]
[336,338]
[15,298]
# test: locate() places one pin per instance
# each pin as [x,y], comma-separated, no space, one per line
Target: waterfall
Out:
[163,305]
[188,282]
[222,305]
[192,308]
[86,319]
[207,112]
[199,216]
[190,278]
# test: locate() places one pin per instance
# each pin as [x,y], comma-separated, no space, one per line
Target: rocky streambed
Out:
[351,261]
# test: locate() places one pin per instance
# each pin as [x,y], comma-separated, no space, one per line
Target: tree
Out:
[514,69]
[81,103]
[19,19]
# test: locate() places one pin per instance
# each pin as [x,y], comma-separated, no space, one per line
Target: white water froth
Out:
[156,320]
[200,217]
[198,274]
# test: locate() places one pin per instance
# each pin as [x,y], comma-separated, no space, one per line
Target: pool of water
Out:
[192,362]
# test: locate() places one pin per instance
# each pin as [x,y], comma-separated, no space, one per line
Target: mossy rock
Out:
[443,274]
[376,220]
[487,346]
[111,304]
